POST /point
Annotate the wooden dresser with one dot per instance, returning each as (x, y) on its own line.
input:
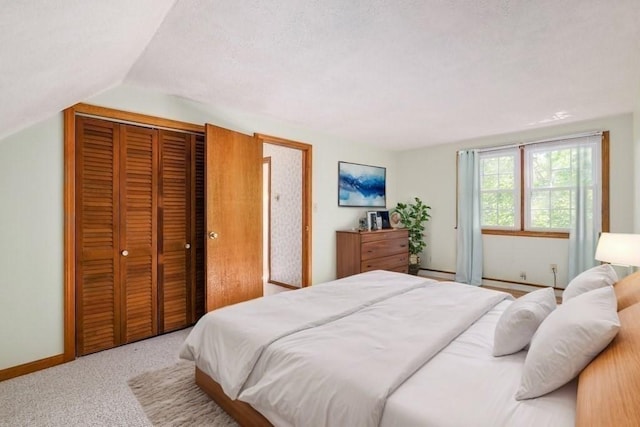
(360, 251)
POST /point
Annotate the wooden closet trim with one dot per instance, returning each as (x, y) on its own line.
(135, 118)
(70, 206)
(69, 235)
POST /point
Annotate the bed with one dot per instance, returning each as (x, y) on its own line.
(363, 351)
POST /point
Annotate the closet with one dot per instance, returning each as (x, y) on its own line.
(139, 232)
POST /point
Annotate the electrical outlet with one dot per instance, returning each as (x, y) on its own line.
(523, 275)
(554, 268)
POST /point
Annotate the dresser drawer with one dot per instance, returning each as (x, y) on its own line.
(384, 235)
(384, 248)
(392, 262)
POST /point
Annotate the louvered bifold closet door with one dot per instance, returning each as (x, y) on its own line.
(138, 236)
(97, 235)
(176, 266)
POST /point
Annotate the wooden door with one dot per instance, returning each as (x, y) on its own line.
(97, 235)
(233, 217)
(175, 240)
(138, 232)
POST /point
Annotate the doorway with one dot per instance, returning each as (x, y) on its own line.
(286, 214)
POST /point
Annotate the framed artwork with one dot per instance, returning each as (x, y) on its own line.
(362, 185)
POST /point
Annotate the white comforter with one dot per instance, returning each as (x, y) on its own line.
(226, 343)
(341, 373)
(331, 354)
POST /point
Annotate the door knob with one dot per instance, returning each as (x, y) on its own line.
(213, 235)
(187, 246)
(125, 252)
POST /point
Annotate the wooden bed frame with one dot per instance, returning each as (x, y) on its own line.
(608, 388)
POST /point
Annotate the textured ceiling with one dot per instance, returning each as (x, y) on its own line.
(55, 53)
(396, 74)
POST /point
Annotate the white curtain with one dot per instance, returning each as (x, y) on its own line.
(469, 233)
(586, 224)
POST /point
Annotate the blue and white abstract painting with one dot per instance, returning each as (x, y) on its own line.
(361, 185)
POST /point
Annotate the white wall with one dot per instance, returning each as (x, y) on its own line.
(31, 213)
(430, 174)
(31, 244)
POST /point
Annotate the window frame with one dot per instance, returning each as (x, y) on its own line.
(517, 185)
(522, 232)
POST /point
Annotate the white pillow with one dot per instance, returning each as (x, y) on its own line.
(567, 340)
(594, 278)
(521, 319)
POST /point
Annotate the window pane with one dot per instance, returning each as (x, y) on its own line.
(506, 211)
(506, 218)
(490, 165)
(540, 199)
(541, 170)
(506, 182)
(560, 218)
(561, 178)
(489, 217)
(561, 159)
(506, 164)
(489, 182)
(505, 200)
(560, 199)
(539, 218)
(489, 201)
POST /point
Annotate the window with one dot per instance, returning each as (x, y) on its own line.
(530, 190)
(500, 189)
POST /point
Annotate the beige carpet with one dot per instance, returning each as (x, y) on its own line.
(170, 397)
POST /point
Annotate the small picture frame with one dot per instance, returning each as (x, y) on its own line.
(384, 215)
(372, 220)
(394, 220)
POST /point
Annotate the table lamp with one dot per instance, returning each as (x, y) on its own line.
(619, 249)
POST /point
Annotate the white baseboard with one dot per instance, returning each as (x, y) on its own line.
(493, 283)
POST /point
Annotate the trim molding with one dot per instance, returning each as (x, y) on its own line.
(498, 280)
(127, 116)
(69, 234)
(284, 285)
(27, 368)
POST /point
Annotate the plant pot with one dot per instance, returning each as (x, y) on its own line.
(414, 269)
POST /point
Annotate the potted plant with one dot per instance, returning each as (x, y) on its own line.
(413, 216)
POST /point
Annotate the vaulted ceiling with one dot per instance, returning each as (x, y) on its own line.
(395, 74)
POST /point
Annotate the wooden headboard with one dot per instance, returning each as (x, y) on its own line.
(609, 387)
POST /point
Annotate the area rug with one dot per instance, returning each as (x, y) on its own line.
(170, 397)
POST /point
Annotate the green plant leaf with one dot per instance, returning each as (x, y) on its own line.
(413, 216)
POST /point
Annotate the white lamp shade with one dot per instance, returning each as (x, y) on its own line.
(619, 248)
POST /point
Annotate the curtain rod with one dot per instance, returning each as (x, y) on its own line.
(540, 141)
